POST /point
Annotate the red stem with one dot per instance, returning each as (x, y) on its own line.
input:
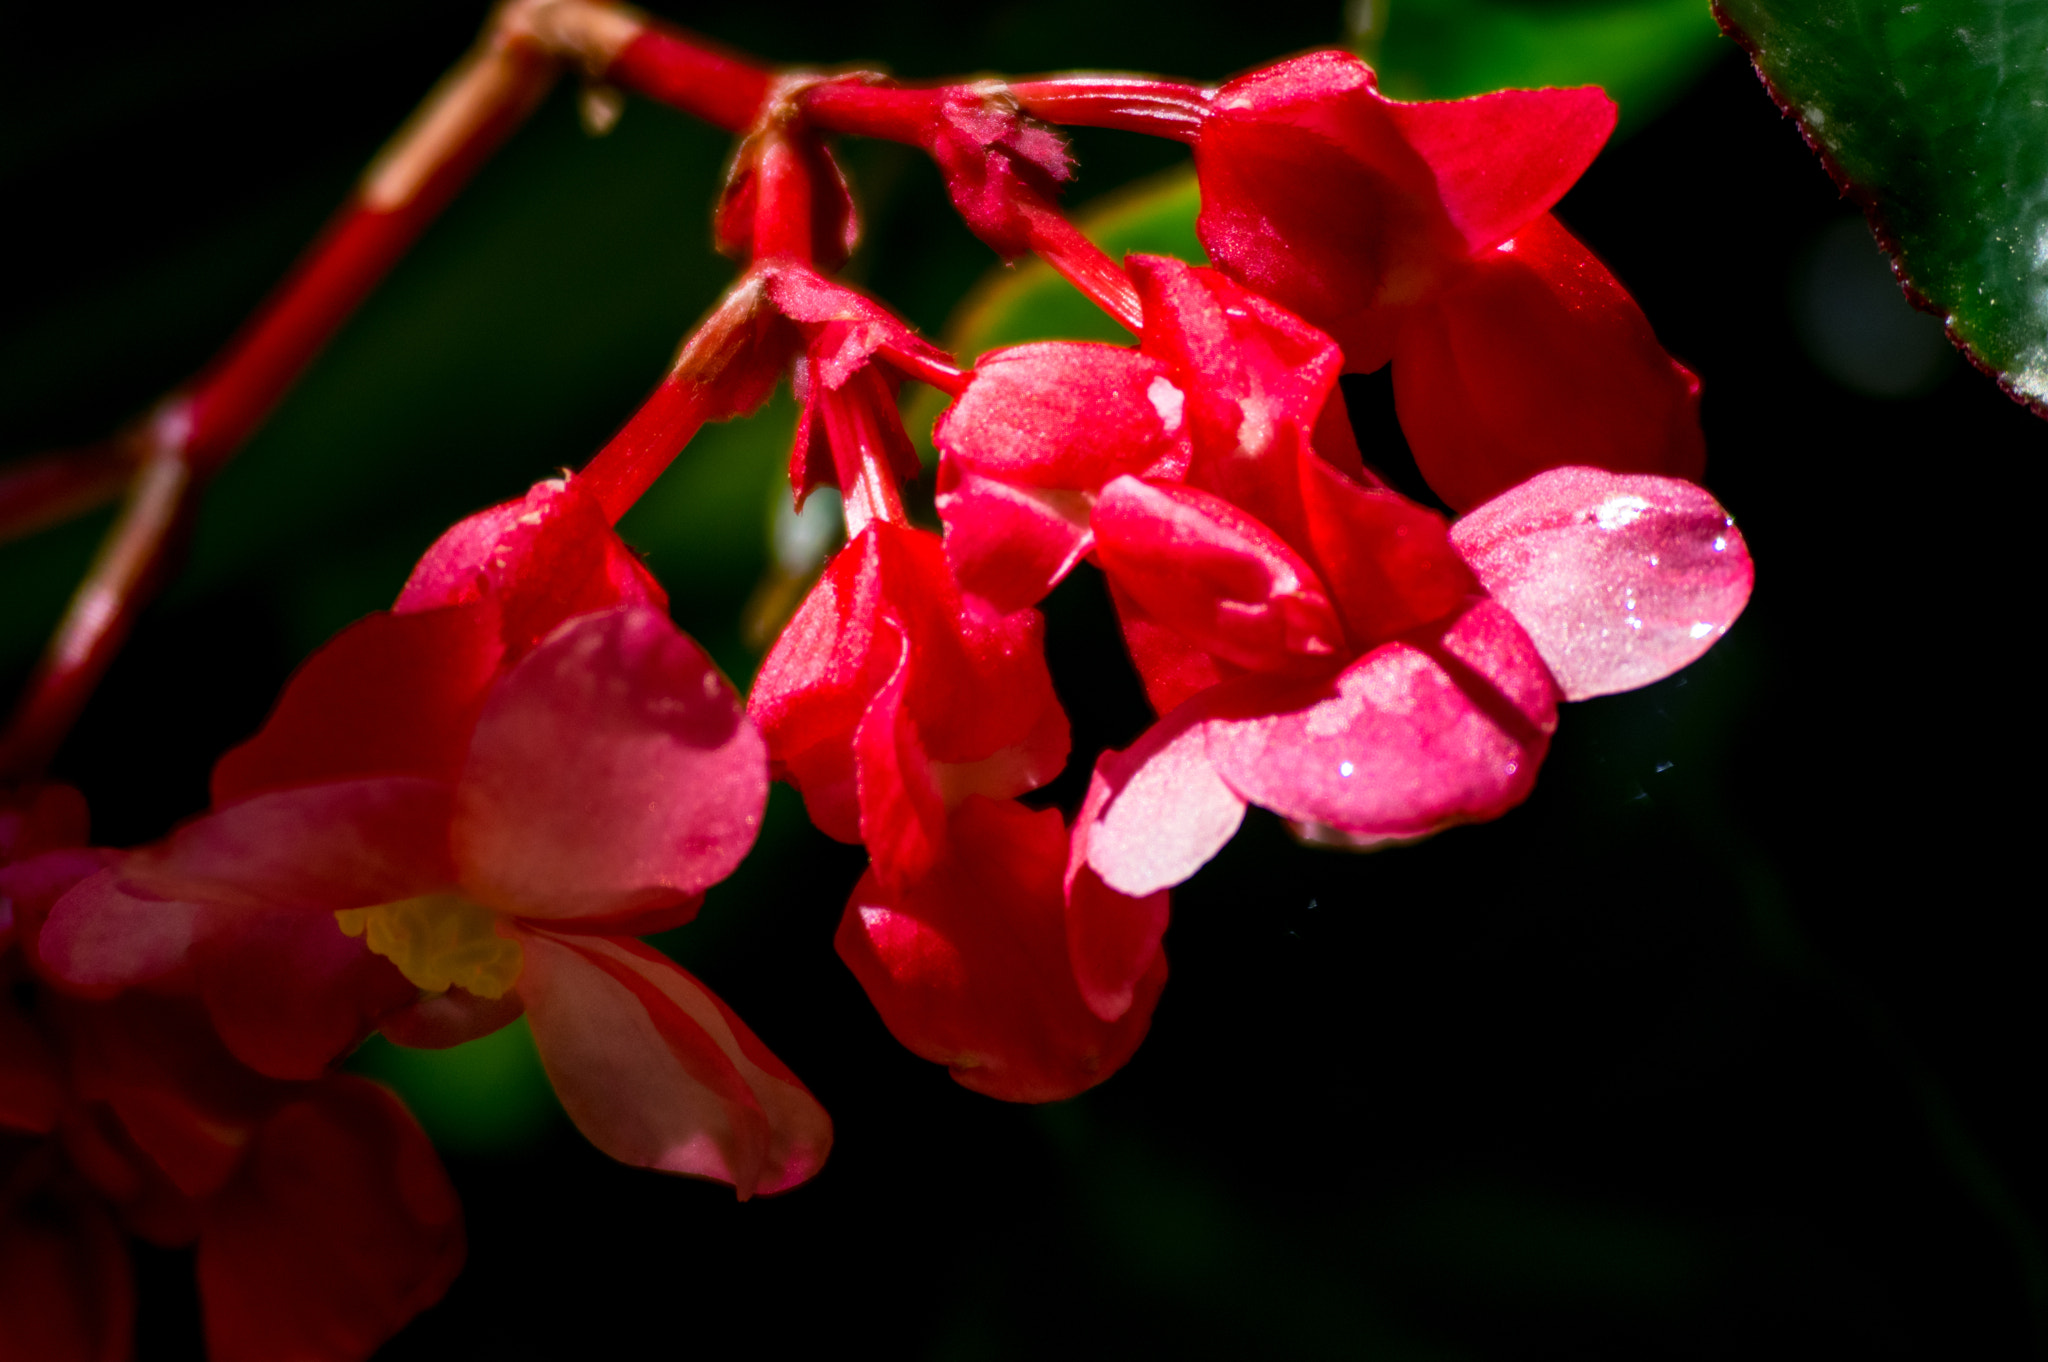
(1159, 108)
(1082, 263)
(103, 609)
(45, 489)
(675, 67)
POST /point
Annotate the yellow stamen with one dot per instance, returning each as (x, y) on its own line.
(439, 942)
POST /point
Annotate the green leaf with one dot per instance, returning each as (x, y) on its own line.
(488, 1095)
(1644, 52)
(1934, 117)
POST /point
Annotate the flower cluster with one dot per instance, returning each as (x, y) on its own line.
(468, 808)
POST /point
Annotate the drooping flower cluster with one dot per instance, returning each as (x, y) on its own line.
(468, 808)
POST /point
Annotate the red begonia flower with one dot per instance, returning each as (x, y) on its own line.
(323, 1220)
(363, 868)
(1421, 233)
(969, 965)
(891, 696)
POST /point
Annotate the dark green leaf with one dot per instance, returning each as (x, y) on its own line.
(1934, 117)
(1644, 52)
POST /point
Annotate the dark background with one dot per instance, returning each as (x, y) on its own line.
(1724, 1045)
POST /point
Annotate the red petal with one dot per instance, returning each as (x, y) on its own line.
(547, 557)
(287, 991)
(31, 1079)
(1220, 578)
(65, 1290)
(389, 695)
(1539, 359)
(1065, 414)
(613, 772)
(1388, 561)
(439, 1020)
(1619, 580)
(1156, 812)
(1502, 160)
(1010, 544)
(180, 1098)
(1172, 668)
(1313, 196)
(339, 1229)
(902, 814)
(100, 938)
(657, 1072)
(1446, 726)
(969, 967)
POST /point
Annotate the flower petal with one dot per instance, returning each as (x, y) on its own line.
(288, 992)
(1065, 414)
(1220, 578)
(613, 772)
(101, 938)
(1387, 561)
(545, 558)
(1504, 159)
(340, 1227)
(1442, 727)
(1010, 544)
(65, 1290)
(1156, 812)
(657, 1072)
(389, 695)
(1539, 359)
(315, 849)
(1620, 580)
(969, 967)
(31, 1079)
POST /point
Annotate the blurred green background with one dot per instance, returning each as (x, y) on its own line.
(1724, 1045)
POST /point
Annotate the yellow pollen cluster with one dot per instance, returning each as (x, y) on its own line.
(439, 942)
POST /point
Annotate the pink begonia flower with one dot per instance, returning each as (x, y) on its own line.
(465, 809)
(1421, 233)
(1318, 644)
(322, 1219)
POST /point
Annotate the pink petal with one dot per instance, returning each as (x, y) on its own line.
(1156, 812)
(1445, 726)
(613, 771)
(288, 992)
(1619, 579)
(1502, 160)
(1007, 543)
(1065, 414)
(101, 938)
(389, 695)
(340, 1228)
(1539, 359)
(314, 849)
(1220, 578)
(657, 1072)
